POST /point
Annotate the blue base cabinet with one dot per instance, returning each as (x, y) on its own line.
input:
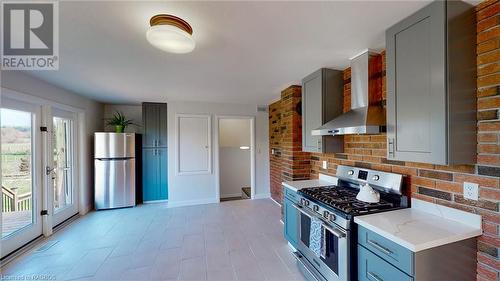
(290, 217)
(155, 182)
(381, 259)
(373, 268)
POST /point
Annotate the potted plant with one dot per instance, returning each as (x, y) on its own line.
(120, 122)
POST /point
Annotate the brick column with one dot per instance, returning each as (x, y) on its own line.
(289, 162)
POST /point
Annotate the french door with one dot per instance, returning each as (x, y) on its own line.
(39, 170)
(62, 180)
(21, 151)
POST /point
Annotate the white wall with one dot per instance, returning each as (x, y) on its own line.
(234, 163)
(133, 112)
(198, 189)
(234, 132)
(234, 171)
(21, 82)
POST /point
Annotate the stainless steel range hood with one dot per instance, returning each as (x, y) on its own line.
(365, 116)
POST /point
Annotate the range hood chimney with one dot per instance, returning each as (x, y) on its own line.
(367, 115)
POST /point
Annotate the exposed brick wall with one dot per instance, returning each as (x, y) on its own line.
(434, 183)
(275, 134)
(443, 184)
(285, 131)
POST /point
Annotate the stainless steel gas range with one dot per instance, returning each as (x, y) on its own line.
(335, 207)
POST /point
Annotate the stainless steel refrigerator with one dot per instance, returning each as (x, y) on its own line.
(114, 164)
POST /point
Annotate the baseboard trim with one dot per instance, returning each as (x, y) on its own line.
(191, 202)
(262, 196)
(279, 204)
(155, 201)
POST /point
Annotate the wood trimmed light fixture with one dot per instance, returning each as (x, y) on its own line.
(171, 34)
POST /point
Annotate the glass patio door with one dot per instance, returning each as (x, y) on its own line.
(21, 182)
(65, 203)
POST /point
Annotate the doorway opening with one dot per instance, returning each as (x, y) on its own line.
(235, 158)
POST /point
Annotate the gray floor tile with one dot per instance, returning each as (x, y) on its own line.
(235, 240)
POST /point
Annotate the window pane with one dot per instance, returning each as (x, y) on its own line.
(17, 175)
(63, 185)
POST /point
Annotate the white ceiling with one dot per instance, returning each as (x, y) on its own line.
(246, 52)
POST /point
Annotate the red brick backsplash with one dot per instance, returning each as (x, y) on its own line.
(433, 183)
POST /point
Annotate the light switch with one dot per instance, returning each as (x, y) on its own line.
(325, 165)
(471, 191)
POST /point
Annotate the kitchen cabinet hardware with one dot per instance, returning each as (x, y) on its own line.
(380, 247)
(374, 276)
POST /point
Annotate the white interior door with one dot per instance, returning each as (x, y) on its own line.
(20, 177)
(62, 160)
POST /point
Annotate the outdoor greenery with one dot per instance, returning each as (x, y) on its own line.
(16, 158)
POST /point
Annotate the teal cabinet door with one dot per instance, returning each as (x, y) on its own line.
(162, 174)
(155, 179)
(291, 217)
(150, 118)
(162, 125)
(150, 180)
(373, 268)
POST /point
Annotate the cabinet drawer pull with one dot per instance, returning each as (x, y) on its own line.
(374, 276)
(380, 247)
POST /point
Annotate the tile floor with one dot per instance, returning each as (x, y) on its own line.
(234, 240)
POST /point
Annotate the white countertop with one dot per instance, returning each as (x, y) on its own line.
(324, 180)
(423, 226)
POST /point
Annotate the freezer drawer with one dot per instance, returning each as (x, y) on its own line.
(114, 145)
(114, 183)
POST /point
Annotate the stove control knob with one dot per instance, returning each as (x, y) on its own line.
(306, 202)
(316, 208)
(376, 177)
(350, 172)
(332, 217)
(326, 214)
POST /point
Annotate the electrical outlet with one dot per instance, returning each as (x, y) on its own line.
(325, 165)
(471, 191)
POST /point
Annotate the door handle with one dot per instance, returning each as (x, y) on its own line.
(336, 232)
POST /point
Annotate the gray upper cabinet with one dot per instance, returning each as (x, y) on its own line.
(322, 100)
(154, 116)
(431, 71)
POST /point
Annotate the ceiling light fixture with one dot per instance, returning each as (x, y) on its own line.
(171, 34)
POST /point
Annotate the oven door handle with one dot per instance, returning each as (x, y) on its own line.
(326, 225)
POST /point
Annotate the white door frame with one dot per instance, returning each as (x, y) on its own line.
(28, 233)
(252, 152)
(68, 211)
(80, 155)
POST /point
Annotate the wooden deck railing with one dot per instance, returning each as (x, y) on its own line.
(12, 202)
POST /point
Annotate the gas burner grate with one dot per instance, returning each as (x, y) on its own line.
(344, 199)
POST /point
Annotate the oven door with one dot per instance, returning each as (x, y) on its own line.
(334, 260)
